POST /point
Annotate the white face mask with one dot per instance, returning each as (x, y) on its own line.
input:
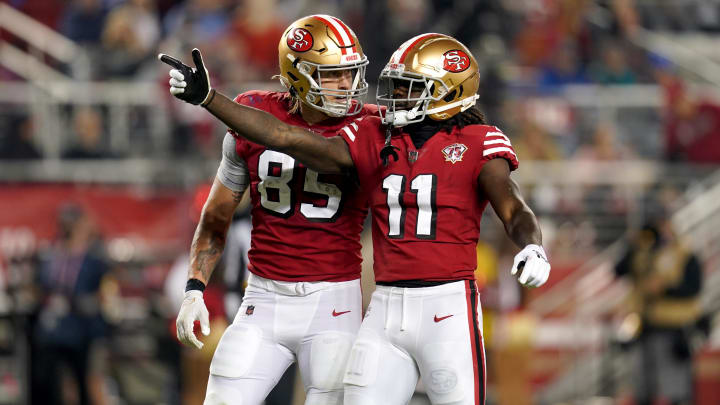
(333, 101)
(398, 110)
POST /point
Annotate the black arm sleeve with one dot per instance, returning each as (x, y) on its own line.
(622, 268)
(691, 283)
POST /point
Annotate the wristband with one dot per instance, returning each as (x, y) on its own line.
(194, 284)
(209, 98)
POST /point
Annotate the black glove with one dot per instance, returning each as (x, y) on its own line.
(189, 84)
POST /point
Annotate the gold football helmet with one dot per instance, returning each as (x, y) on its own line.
(321, 46)
(438, 76)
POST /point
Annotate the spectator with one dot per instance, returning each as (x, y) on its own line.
(692, 127)
(83, 21)
(256, 28)
(536, 144)
(70, 324)
(18, 141)
(129, 38)
(667, 279)
(88, 126)
(564, 68)
(604, 146)
(612, 68)
(198, 21)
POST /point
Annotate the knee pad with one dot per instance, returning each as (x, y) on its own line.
(217, 398)
(315, 397)
(362, 365)
(236, 352)
(329, 353)
(221, 391)
(354, 395)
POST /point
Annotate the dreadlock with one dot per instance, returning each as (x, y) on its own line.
(471, 116)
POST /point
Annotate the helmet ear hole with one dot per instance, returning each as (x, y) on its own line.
(292, 76)
(461, 91)
(450, 97)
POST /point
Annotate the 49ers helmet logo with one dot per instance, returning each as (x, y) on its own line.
(455, 61)
(299, 40)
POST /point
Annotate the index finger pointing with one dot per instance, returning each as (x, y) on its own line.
(170, 61)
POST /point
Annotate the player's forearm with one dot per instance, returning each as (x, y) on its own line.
(314, 150)
(206, 249)
(523, 228)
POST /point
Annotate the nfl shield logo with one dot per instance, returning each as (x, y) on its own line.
(413, 156)
(250, 310)
(454, 153)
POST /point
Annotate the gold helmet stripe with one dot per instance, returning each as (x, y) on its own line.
(340, 31)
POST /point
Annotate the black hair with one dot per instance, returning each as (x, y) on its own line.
(471, 116)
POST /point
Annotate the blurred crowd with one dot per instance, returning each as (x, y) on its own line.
(528, 50)
(530, 53)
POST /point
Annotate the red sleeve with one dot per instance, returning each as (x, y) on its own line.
(251, 99)
(356, 142)
(497, 145)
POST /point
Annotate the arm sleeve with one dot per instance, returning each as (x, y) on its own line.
(691, 283)
(351, 134)
(233, 172)
(622, 268)
(497, 145)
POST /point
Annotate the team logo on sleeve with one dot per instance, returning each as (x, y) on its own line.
(454, 153)
(250, 310)
(455, 61)
(299, 40)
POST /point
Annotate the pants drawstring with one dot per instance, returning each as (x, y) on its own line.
(387, 308)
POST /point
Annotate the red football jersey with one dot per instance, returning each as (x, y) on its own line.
(306, 226)
(426, 206)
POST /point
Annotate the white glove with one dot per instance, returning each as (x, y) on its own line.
(534, 264)
(192, 309)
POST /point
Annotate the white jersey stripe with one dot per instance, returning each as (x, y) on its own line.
(496, 141)
(354, 126)
(490, 151)
(349, 133)
(500, 134)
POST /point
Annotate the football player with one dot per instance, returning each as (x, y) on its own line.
(430, 165)
(303, 301)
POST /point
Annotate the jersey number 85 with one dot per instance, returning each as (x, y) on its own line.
(283, 201)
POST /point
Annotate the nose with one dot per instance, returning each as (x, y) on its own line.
(345, 81)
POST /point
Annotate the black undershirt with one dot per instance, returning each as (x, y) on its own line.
(421, 131)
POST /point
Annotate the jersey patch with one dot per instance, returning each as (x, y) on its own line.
(454, 153)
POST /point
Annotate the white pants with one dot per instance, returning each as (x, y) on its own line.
(431, 332)
(279, 322)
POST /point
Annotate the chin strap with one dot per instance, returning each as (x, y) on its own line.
(466, 103)
(404, 117)
(388, 150)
